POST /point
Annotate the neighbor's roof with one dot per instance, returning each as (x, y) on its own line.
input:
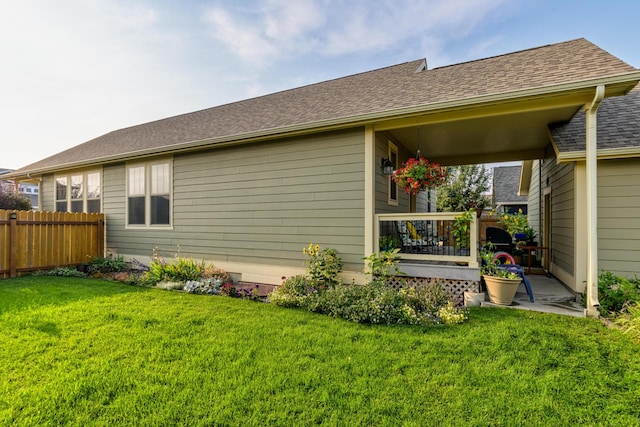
(506, 180)
(348, 101)
(618, 126)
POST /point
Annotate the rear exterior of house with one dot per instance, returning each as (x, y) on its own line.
(557, 193)
(247, 185)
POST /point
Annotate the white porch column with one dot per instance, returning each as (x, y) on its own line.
(369, 190)
(592, 202)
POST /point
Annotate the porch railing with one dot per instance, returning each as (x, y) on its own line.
(428, 237)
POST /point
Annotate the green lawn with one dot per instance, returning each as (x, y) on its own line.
(87, 352)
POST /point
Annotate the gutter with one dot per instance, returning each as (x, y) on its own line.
(625, 79)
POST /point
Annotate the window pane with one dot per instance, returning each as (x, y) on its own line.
(61, 189)
(136, 211)
(93, 186)
(160, 179)
(61, 206)
(76, 187)
(93, 206)
(136, 181)
(159, 209)
(76, 205)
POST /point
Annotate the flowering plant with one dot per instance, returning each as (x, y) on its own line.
(417, 175)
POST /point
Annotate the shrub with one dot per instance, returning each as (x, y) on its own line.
(515, 222)
(180, 270)
(11, 200)
(60, 271)
(292, 291)
(107, 265)
(616, 293)
(210, 286)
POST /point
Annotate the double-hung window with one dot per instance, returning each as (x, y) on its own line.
(149, 194)
(78, 192)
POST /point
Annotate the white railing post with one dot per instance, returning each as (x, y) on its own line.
(473, 242)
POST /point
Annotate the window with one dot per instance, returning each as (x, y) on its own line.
(79, 192)
(392, 153)
(149, 194)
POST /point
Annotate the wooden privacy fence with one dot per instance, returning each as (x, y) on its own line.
(31, 241)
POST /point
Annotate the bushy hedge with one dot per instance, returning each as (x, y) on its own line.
(373, 302)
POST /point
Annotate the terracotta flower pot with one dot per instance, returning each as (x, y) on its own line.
(501, 290)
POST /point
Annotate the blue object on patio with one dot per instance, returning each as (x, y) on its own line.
(515, 268)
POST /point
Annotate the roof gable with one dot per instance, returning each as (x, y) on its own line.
(506, 180)
(347, 101)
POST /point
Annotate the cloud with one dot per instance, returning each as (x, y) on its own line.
(272, 32)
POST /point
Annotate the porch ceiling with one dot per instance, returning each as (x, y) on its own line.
(495, 132)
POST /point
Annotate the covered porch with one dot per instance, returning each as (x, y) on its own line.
(482, 129)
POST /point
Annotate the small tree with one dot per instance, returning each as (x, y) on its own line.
(464, 189)
(11, 200)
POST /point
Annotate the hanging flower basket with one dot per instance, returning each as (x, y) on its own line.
(417, 175)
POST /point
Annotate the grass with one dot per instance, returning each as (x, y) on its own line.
(87, 352)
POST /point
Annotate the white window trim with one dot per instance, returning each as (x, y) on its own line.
(392, 148)
(68, 175)
(147, 196)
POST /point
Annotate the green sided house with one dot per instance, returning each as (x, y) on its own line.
(556, 186)
(247, 185)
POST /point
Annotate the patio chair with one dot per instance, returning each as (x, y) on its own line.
(412, 241)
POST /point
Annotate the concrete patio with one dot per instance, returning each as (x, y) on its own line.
(550, 296)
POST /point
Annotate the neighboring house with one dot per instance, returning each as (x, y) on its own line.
(506, 184)
(557, 193)
(247, 185)
(28, 190)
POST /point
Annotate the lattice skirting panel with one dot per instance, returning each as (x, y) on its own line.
(455, 288)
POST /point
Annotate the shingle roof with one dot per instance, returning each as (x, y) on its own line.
(506, 181)
(347, 99)
(618, 125)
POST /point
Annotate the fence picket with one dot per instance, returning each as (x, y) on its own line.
(42, 240)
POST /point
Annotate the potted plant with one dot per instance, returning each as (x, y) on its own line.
(388, 242)
(530, 236)
(417, 175)
(501, 284)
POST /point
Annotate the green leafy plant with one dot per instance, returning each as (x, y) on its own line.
(492, 266)
(514, 223)
(461, 228)
(630, 321)
(107, 264)
(60, 271)
(466, 188)
(383, 265)
(616, 293)
(324, 266)
(389, 242)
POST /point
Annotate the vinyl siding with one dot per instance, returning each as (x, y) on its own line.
(534, 209)
(618, 218)
(47, 193)
(382, 181)
(560, 179)
(257, 203)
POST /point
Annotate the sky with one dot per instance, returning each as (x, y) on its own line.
(73, 70)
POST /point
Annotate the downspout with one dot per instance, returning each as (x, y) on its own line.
(592, 202)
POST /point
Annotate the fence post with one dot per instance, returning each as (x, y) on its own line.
(13, 243)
